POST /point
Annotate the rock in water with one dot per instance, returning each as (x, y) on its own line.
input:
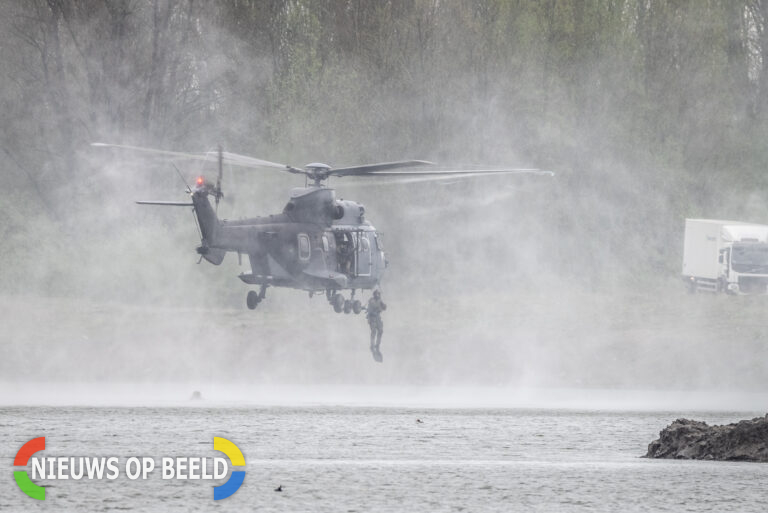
(746, 440)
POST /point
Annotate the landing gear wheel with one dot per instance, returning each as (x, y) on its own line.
(338, 303)
(252, 299)
(347, 306)
(357, 306)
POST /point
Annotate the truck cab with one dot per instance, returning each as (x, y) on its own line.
(745, 266)
(725, 256)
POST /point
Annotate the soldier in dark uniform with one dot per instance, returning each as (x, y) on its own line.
(345, 253)
(375, 307)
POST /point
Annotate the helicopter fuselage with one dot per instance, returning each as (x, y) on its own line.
(318, 243)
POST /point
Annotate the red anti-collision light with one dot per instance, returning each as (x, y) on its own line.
(200, 180)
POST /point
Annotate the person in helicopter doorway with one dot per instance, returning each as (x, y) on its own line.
(345, 254)
(374, 309)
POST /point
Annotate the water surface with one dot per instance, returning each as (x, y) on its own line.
(381, 459)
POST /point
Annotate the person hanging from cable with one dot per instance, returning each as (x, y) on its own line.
(374, 309)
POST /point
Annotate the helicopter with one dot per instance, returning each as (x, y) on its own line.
(318, 243)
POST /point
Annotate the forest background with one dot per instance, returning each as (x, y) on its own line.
(649, 111)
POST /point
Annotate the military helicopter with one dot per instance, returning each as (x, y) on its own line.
(317, 243)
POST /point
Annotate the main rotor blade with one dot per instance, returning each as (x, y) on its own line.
(176, 154)
(245, 161)
(227, 157)
(371, 168)
(447, 177)
(463, 173)
(167, 203)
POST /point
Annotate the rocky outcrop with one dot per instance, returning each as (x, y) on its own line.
(690, 439)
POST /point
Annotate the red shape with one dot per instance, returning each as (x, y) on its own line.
(27, 450)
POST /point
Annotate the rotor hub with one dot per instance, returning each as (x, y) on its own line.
(318, 171)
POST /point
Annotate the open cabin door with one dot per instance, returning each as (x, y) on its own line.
(363, 254)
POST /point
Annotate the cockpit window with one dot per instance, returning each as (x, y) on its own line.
(325, 243)
(304, 248)
(379, 245)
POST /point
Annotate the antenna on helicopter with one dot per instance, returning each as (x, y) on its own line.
(189, 189)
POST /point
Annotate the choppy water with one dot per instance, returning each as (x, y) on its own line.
(381, 459)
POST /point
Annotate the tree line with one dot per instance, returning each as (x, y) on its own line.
(650, 110)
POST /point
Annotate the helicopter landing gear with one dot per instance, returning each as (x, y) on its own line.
(338, 303)
(353, 305)
(254, 298)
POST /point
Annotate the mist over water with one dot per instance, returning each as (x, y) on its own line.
(517, 283)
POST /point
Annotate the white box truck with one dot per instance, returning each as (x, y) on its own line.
(725, 256)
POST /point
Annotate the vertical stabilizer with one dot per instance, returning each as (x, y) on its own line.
(209, 226)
